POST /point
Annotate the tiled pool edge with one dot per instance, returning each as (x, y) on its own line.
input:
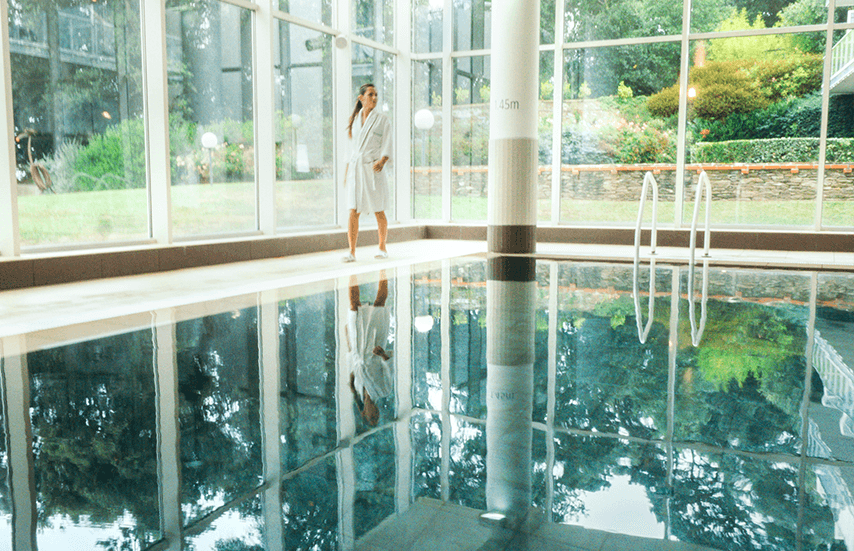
(33, 270)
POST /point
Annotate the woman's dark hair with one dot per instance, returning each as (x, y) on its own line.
(362, 89)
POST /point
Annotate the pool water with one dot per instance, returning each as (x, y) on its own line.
(553, 406)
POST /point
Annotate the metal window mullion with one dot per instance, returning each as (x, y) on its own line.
(447, 104)
(343, 105)
(265, 153)
(245, 4)
(156, 110)
(825, 106)
(672, 354)
(403, 113)
(557, 112)
(682, 125)
(10, 239)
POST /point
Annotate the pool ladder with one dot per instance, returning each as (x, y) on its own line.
(703, 188)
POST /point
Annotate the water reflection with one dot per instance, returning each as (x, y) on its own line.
(502, 386)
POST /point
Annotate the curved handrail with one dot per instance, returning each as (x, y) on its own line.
(648, 177)
(643, 331)
(704, 186)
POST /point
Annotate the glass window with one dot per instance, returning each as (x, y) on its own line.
(305, 191)
(319, 11)
(426, 170)
(427, 26)
(211, 127)
(754, 121)
(838, 208)
(711, 16)
(376, 67)
(545, 127)
(374, 19)
(547, 21)
(586, 20)
(78, 107)
(472, 24)
(470, 138)
(611, 136)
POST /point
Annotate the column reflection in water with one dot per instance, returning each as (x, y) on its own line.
(510, 303)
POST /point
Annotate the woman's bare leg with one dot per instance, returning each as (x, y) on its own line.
(382, 229)
(353, 230)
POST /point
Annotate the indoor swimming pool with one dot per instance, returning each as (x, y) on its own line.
(493, 404)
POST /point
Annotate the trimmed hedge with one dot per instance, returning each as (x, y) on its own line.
(778, 150)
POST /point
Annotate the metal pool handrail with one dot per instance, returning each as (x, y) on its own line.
(704, 186)
(643, 331)
(647, 179)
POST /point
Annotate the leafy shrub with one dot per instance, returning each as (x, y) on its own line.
(779, 150)
(113, 160)
(792, 76)
(633, 143)
(665, 103)
(793, 117)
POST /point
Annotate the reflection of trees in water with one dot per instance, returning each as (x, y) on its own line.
(374, 459)
(467, 476)
(94, 442)
(218, 384)
(426, 431)
(310, 509)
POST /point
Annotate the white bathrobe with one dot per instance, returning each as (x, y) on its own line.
(367, 191)
(368, 327)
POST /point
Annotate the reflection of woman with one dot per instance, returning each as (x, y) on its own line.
(364, 178)
(367, 334)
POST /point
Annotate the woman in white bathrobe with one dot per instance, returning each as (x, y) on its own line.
(364, 178)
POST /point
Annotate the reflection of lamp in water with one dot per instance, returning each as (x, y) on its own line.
(423, 324)
(209, 141)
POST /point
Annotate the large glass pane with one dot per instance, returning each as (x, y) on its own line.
(374, 19)
(305, 191)
(211, 128)
(838, 208)
(612, 135)
(590, 20)
(377, 67)
(545, 128)
(716, 16)
(427, 26)
(470, 138)
(472, 24)
(426, 171)
(754, 117)
(319, 11)
(94, 424)
(78, 105)
(547, 21)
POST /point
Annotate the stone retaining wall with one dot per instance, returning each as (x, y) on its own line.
(615, 183)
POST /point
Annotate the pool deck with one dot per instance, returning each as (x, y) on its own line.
(47, 307)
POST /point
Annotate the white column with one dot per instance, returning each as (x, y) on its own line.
(268, 337)
(265, 154)
(510, 315)
(9, 234)
(157, 120)
(513, 116)
(344, 101)
(19, 435)
(557, 113)
(447, 104)
(403, 114)
(168, 435)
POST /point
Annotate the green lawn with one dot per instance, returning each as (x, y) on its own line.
(102, 216)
